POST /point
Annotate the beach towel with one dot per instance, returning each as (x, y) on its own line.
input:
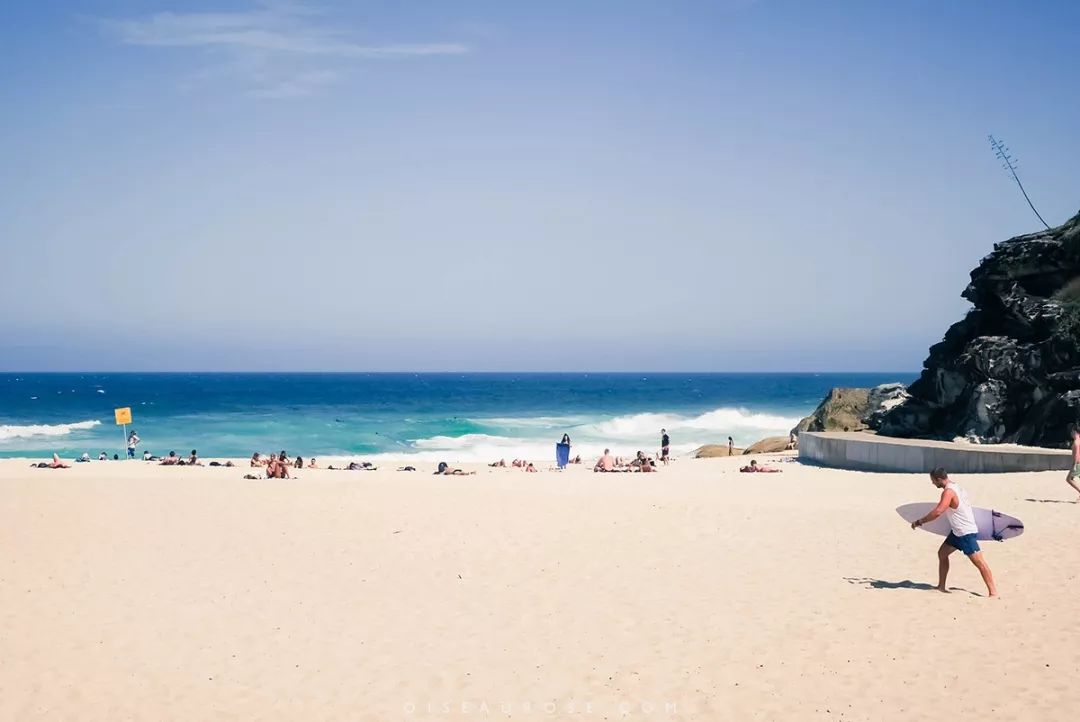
(562, 455)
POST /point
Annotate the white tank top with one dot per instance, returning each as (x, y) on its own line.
(962, 518)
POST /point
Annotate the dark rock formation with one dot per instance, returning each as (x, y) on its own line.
(1010, 370)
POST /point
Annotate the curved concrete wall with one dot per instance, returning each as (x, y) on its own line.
(868, 452)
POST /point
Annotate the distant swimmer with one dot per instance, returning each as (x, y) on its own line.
(1075, 470)
(964, 531)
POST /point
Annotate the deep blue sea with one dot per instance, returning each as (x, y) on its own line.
(451, 416)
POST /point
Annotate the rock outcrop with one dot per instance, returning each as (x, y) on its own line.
(853, 409)
(1009, 371)
(768, 445)
(712, 451)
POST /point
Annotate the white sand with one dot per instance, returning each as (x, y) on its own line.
(134, 591)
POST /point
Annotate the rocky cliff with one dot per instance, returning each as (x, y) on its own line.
(1010, 370)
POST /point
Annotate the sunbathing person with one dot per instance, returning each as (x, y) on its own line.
(57, 464)
(530, 468)
(500, 464)
(445, 470)
(193, 460)
(755, 468)
(311, 464)
(171, 460)
(257, 460)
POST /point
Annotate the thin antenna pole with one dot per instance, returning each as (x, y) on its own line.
(1009, 164)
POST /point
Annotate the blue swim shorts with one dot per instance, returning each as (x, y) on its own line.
(131, 452)
(968, 543)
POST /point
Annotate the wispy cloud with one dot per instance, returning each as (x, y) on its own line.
(280, 49)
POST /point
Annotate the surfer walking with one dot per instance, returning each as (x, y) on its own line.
(964, 532)
(1070, 479)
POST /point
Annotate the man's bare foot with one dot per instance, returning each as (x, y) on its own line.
(943, 590)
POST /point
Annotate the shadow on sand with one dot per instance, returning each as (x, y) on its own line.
(1051, 501)
(870, 583)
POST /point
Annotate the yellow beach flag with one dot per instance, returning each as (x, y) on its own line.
(123, 416)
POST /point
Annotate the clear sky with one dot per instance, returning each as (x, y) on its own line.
(724, 185)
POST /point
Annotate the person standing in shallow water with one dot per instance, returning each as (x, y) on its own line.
(964, 531)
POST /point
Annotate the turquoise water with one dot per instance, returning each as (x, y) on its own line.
(457, 417)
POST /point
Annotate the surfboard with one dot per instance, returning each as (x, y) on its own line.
(993, 525)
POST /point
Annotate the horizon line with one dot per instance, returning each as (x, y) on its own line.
(454, 371)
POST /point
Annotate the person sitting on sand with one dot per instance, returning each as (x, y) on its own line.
(530, 468)
(299, 462)
(605, 462)
(311, 464)
(756, 468)
(193, 460)
(170, 460)
(103, 456)
(147, 456)
(257, 460)
(85, 458)
(647, 465)
(793, 442)
(276, 469)
(576, 459)
(283, 458)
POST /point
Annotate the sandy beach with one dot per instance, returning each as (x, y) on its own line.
(131, 591)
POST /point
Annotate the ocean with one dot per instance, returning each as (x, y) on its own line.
(457, 417)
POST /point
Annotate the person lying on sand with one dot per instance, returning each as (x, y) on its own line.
(170, 460)
(445, 470)
(755, 468)
(500, 464)
(56, 463)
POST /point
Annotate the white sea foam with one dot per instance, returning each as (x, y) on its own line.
(32, 430)
(622, 434)
(729, 422)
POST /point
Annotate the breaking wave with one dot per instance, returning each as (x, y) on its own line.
(32, 430)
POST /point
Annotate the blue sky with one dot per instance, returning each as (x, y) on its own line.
(741, 185)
